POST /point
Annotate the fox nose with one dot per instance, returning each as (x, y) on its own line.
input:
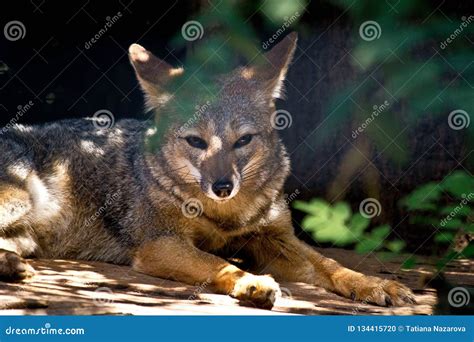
(222, 188)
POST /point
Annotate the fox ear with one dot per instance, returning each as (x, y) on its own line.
(275, 65)
(153, 74)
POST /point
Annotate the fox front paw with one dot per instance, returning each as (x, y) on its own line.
(13, 267)
(382, 292)
(258, 291)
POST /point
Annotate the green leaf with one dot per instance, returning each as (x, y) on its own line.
(367, 246)
(335, 233)
(459, 183)
(315, 207)
(312, 223)
(395, 246)
(341, 212)
(279, 10)
(381, 232)
(358, 224)
(423, 198)
(469, 228)
(451, 224)
(441, 264)
(444, 237)
(409, 263)
(468, 252)
(456, 210)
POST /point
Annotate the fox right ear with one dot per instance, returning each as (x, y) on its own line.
(276, 62)
(153, 74)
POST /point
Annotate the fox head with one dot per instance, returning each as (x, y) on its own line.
(230, 150)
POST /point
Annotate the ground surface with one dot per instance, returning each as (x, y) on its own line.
(76, 287)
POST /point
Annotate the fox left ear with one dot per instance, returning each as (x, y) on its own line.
(275, 65)
(153, 74)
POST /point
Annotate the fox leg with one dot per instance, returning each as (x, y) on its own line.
(14, 204)
(173, 258)
(289, 259)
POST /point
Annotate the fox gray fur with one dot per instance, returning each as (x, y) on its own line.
(214, 189)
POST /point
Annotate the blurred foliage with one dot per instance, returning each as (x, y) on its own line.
(337, 224)
(447, 207)
(410, 63)
(225, 39)
(420, 60)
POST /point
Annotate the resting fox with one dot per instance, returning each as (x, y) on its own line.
(212, 191)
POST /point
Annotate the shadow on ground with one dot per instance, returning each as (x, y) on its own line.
(89, 288)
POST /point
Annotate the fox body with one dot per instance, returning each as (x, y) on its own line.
(213, 190)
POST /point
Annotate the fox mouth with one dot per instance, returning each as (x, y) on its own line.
(218, 199)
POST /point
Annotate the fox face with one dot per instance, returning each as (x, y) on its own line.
(230, 149)
(225, 151)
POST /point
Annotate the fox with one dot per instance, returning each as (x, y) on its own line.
(210, 195)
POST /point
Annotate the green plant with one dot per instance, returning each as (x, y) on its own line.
(446, 206)
(408, 63)
(337, 224)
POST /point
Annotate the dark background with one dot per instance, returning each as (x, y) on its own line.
(52, 68)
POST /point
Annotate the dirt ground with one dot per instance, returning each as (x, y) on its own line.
(82, 288)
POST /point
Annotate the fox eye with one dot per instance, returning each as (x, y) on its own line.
(196, 142)
(243, 140)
